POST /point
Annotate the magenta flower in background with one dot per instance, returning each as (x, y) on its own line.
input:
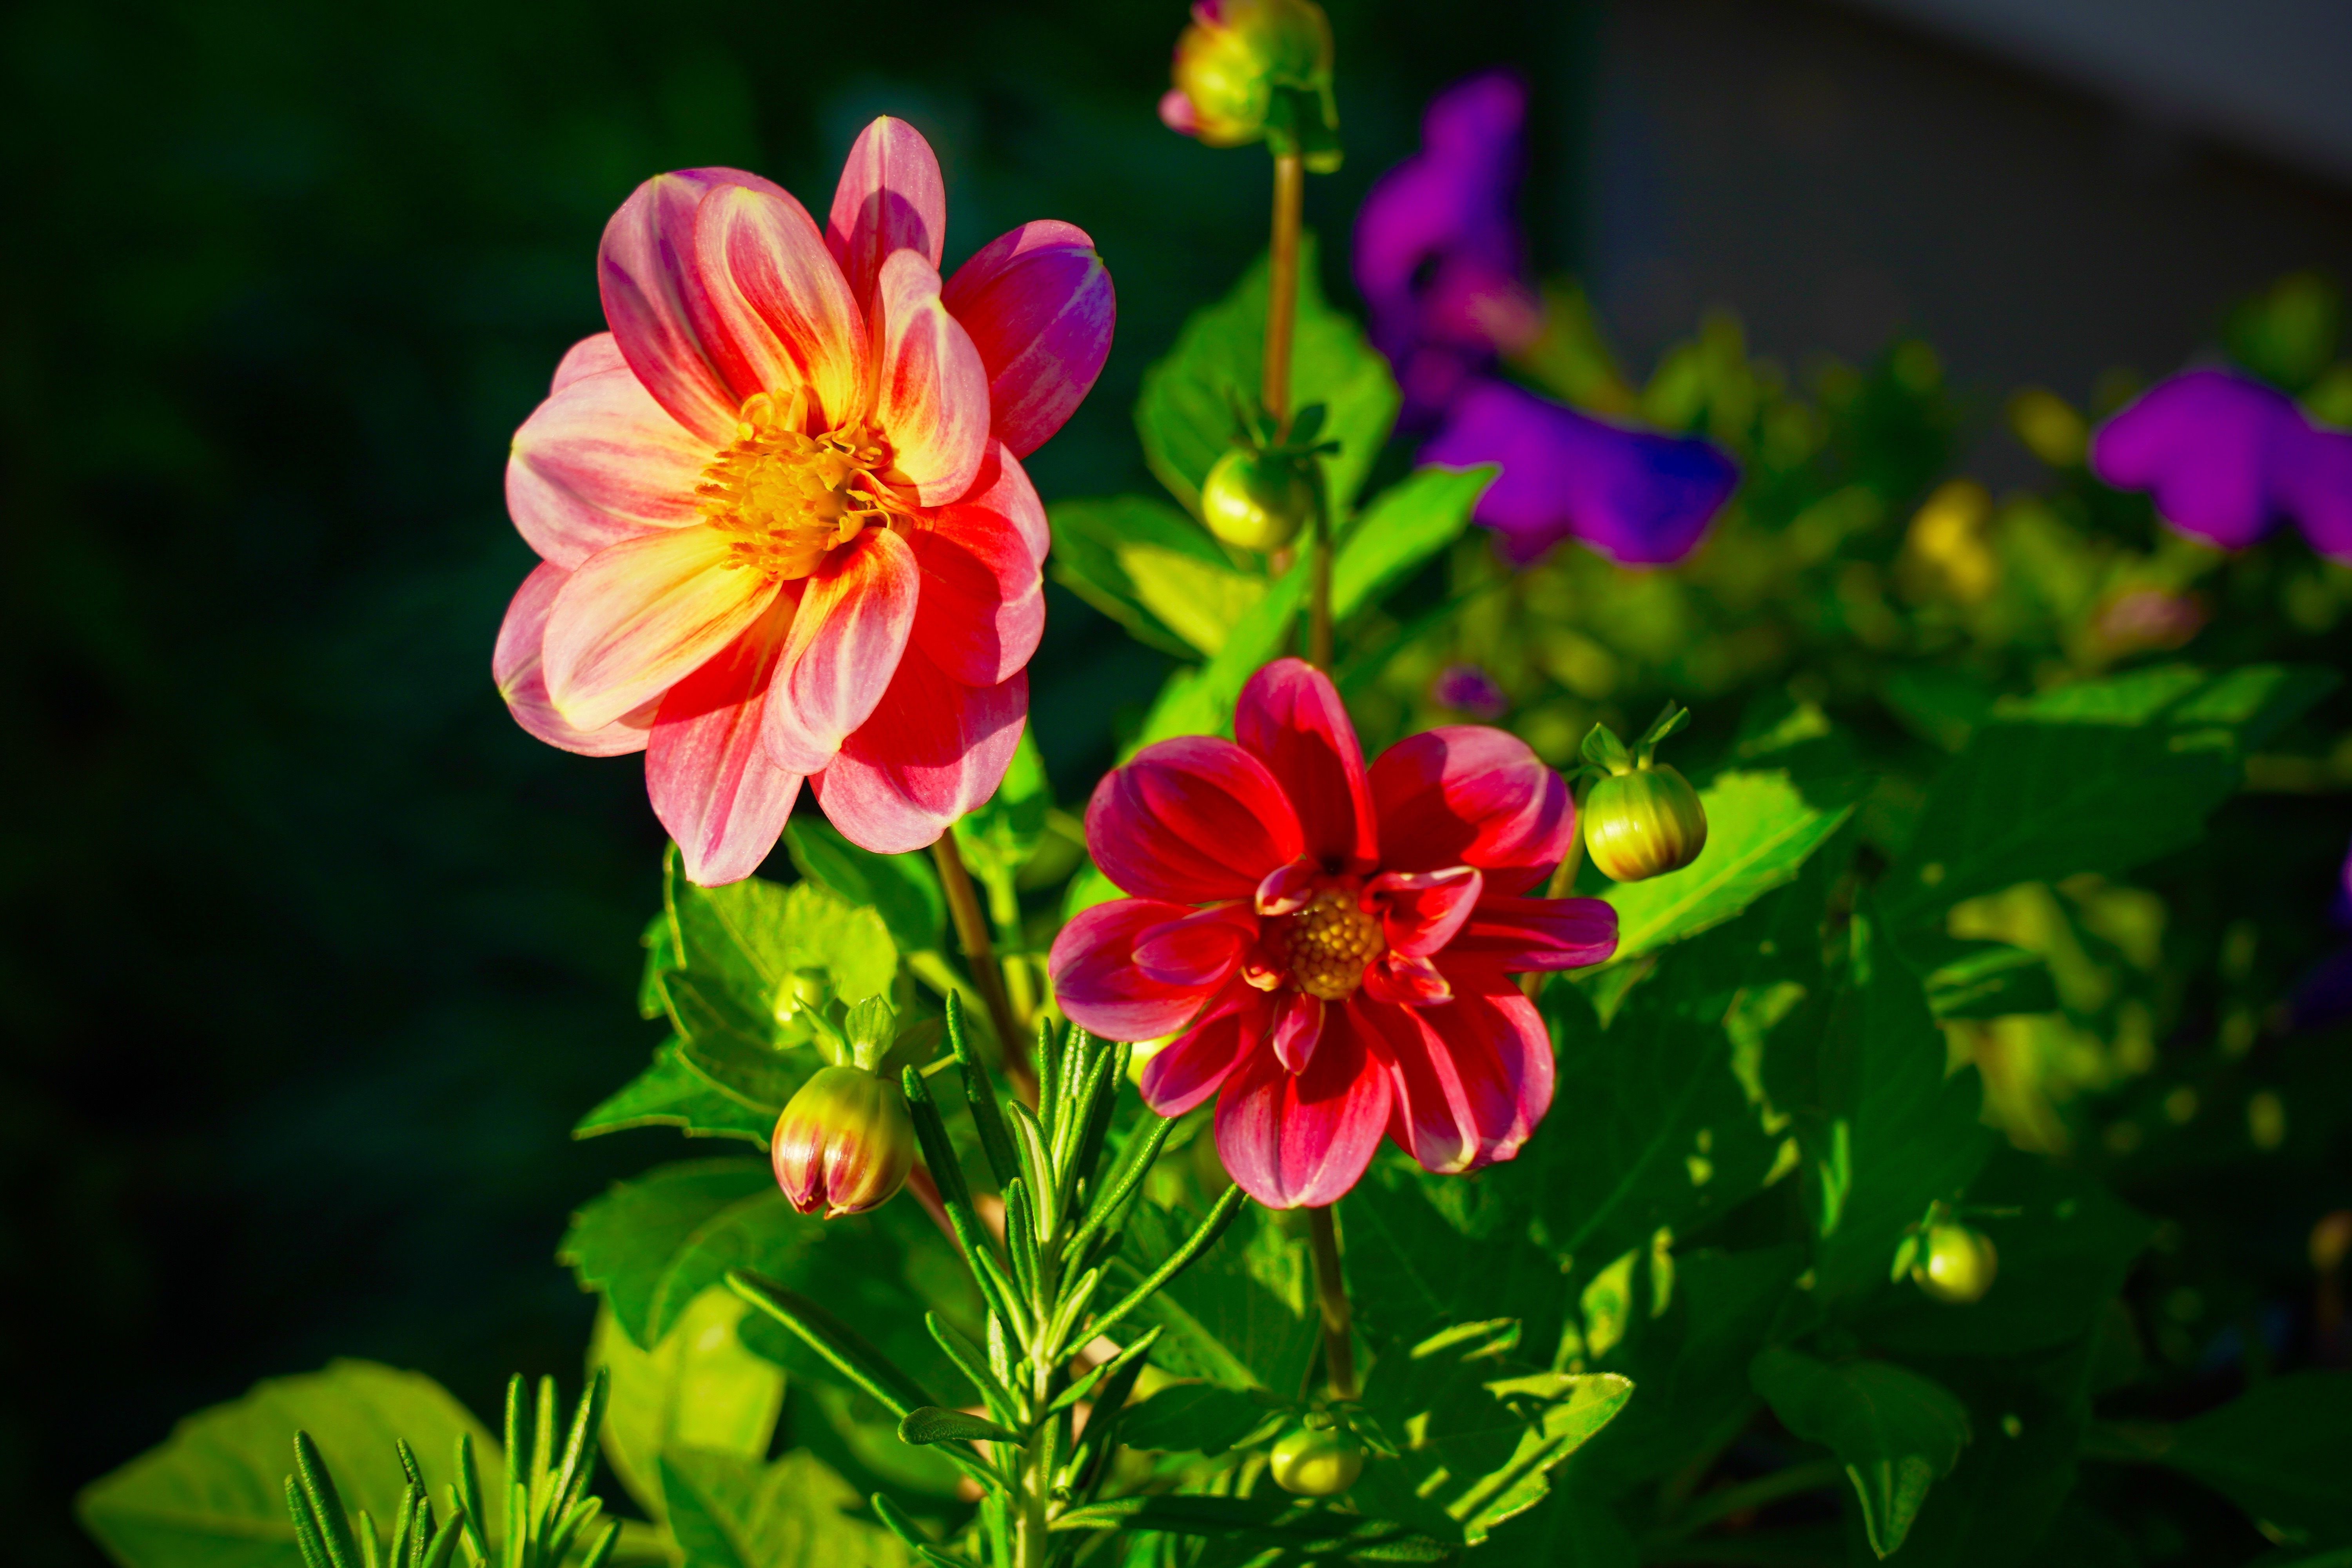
(1467, 689)
(2227, 459)
(1442, 270)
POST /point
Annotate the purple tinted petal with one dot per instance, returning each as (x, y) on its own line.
(2209, 446)
(1638, 498)
(2316, 484)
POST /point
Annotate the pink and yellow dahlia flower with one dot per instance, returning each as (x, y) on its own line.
(1330, 944)
(784, 529)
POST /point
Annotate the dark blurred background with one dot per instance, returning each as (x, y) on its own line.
(312, 957)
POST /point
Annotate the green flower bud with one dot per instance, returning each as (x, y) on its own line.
(1256, 500)
(1644, 824)
(1248, 69)
(1318, 1464)
(844, 1144)
(1958, 1265)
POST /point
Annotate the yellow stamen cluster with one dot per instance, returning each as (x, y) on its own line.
(792, 496)
(1330, 944)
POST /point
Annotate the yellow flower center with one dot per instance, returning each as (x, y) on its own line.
(789, 496)
(1330, 943)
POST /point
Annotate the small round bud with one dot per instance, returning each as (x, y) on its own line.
(1644, 824)
(1256, 499)
(1318, 1464)
(1956, 1264)
(1235, 55)
(844, 1144)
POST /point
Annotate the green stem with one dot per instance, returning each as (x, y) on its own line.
(1332, 1294)
(1282, 286)
(971, 930)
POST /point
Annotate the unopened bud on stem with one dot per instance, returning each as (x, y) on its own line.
(1642, 818)
(1257, 69)
(1318, 1463)
(844, 1144)
(1957, 1264)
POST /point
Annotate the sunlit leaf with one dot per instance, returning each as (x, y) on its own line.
(728, 1510)
(1153, 570)
(698, 1387)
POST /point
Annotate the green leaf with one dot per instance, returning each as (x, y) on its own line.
(1426, 1251)
(1895, 1432)
(929, 1423)
(1153, 570)
(2281, 1451)
(1275, 1523)
(626, 1244)
(1999, 1505)
(999, 837)
(732, 1047)
(1185, 414)
(2101, 777)
(753, 936)
(903, 889)
(1972, 979)
(212, 1495)
(729, 1512)
(1243, 1316)
(1760, 827)
(1476, 1431)
(673, 1093)
(698, 1388)
(1193, 1417)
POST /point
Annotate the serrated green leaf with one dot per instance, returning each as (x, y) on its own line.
(753, 936)
(699, 1387)
(1185, 412)
(2281, 1451)
(1153, 570)
(1243, 1316)
(733, 1048)
(903, 889)
(1897, 1433)
(728, 1511)
(1193, 1417)
(212, 1495)
(673, 1093)
(624, 1244)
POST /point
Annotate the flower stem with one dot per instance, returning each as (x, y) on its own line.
(1332, 1294)
(971, 930)
(1282, 286)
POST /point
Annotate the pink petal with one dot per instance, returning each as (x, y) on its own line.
(1297, 1029)
(1295, 1139)
(982, 605)
(1194, 820)
(931, 394)
(934, 750)
(1473, 1078)
(770, 306)
(600, 461)
(1198, 951)
(636, 617)
(1406, 980)
(856, 612)
(1039, 306)
(1468, 796)
(1099, 984)
(1002, 487)
(1189, 1068)
(515, 666)
(645, 270)
(1290, 717)
(1521, 934)
(1422, 910)
(587, 357)
(890, 198)
(711, 782)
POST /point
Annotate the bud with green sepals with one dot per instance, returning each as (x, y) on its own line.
(1641, 817)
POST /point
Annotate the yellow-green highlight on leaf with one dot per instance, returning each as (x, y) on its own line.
(698, 1387)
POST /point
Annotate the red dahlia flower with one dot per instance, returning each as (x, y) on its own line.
(1333, 943)
(785, 528)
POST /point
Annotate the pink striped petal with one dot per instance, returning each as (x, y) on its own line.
(1195, 820)
(1001, 488)
(1473, 1079)
(1422, 910)
(930, 399)
(1303, 1139)
(600, 461)
(639, 616)
(1191, 1068)
(890, 198)
(712, 784)
(515, 666)
(645, 271)
(1099, 984)
(587, 357)
(934, 750)
(1469, 795)
(770, 306)
(1198, 951)
(982, 605)
(855, 612)
(1290, 717)
(1039, 305)
(1297, 1029)
(1521, 934)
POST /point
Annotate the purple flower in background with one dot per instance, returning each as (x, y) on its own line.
(1442, 266)
(2227, 459)
(1467, 689)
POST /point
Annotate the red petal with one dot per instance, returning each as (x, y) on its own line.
(931, 394)
(770, 306)
(1519, 935)
(1290, 717)
(1189, 1068)
(636, 617)
(645, 271)
(1469, 795)
(1474, 1078)
(1297, 1029)
(1099, 984)
(711, 782)
(1407, 980)
(1199, 950)
(1194, 820)
(855, 612)
(1285, 889)
(600, 461)
(515, 666)
(1422, 910)
(983, 604)
(932, 750)
(1039, 306)
(1303, 1139)
(890, 198)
